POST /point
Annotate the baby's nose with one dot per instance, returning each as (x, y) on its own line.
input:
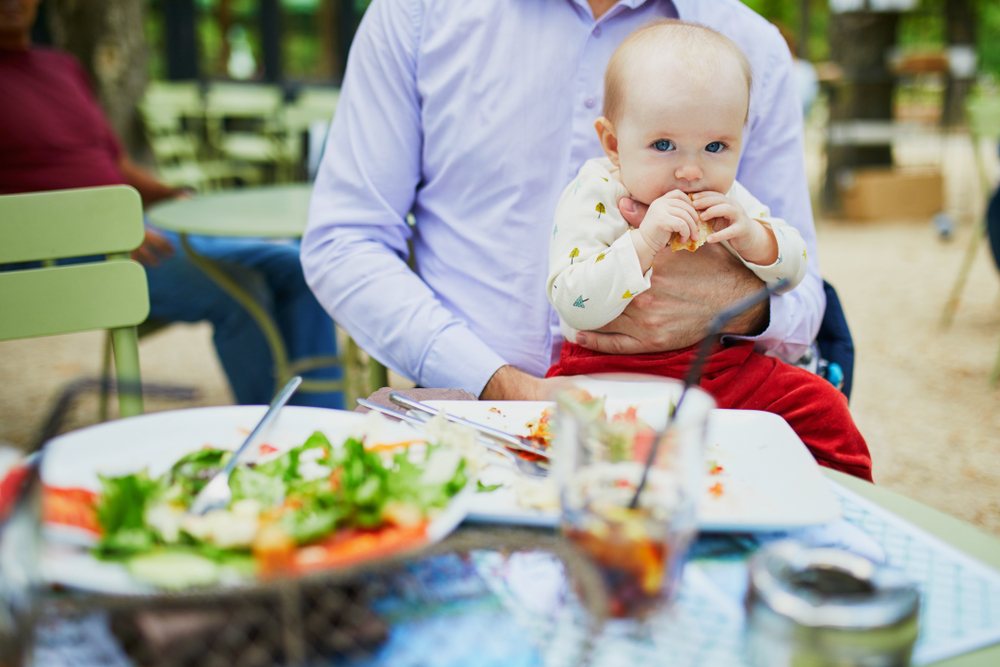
(688, 172)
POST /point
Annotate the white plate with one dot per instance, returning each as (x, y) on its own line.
(156, 441)
(770, 481)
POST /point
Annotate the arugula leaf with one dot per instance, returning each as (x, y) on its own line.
(192, 471)
(121, 512)
(256, 485)
(486, 488)
(286, 466)
(306, 526)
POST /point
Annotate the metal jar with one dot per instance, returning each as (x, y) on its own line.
(813, 607)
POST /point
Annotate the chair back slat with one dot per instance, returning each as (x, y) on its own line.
(69, 223)
(68, 299)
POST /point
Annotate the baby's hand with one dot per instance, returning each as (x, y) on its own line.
(754, 241)
(672, 213)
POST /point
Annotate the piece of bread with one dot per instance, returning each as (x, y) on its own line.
(693, 243)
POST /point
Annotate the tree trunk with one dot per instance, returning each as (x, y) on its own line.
(108, 38)
(860, 44)
(960, 29)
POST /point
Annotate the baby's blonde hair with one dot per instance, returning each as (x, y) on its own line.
(697, 47)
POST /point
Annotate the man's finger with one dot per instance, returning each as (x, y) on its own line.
(632, 211)
(608, 343)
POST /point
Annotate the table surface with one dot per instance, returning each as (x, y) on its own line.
(963, 536)
(277, 211)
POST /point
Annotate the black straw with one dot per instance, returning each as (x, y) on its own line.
(693, 376)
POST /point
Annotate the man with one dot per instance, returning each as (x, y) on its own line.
(54, 135)
(472, 117)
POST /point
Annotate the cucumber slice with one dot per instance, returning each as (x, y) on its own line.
(174, 569)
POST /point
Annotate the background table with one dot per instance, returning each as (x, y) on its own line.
(279, 211)
(270, 212)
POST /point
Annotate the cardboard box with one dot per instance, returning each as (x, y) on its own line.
(892, 194)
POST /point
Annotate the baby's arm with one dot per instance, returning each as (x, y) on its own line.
(768, 246)
(594, 271)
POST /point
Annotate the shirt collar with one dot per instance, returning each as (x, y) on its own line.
(631, 4)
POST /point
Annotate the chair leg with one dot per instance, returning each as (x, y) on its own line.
(126, 350)
(105, 391)
(950, 306)
(378, 375)
(995, 375)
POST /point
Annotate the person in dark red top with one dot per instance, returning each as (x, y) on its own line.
(54, 135)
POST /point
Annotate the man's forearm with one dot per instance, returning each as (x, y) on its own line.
(754, 321)
(150, 188)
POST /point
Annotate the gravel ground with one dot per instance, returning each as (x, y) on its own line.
(921, 395)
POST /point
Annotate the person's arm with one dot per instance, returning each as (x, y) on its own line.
(150, 188)
(786, 261)
(773, 169)
(354, 250)
(594, 267)
(155, 247)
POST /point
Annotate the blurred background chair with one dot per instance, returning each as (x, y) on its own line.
(244, 127)
(173, 116)
(89, 293)
(983, 115)
(306, 122)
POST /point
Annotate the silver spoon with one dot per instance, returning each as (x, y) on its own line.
(217, 494)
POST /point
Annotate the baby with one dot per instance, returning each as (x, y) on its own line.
(676, 98)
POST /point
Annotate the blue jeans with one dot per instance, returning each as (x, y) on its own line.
(271, 272)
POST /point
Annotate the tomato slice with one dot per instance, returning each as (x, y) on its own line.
(68, 506)
(348, 547)
(265, 449)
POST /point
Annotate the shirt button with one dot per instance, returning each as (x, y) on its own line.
(597, 31)
(590, 103)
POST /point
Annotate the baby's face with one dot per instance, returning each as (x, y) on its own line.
(680, 135)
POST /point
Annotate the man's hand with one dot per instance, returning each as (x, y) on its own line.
(155, 247)
(688, 290)
(512, 384)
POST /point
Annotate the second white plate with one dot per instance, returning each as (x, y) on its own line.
(769, 480)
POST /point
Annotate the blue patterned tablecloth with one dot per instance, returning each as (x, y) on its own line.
(517, 610)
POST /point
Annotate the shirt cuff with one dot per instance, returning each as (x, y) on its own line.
(775, 339)
(458, 359)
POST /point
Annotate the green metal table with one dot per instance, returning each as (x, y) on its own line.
(271, 212)
(963, 536)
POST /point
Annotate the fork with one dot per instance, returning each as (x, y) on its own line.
(416, 418)
(217, 494)
(508, 440)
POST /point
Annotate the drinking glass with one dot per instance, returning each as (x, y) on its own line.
(609, 440)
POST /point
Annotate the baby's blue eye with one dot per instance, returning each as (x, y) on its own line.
(663, 145)
(715, 147)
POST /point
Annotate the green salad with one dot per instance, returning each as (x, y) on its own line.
(280, 504)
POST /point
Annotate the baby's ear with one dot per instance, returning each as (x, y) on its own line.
(609, 140)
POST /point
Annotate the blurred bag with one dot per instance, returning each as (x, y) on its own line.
(993, 225)
(836, 345)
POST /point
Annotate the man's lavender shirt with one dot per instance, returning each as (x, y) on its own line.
(474, 116)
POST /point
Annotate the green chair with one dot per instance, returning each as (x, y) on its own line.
(173, 115)
(983, 116)
(109, 292)
(312, 109)
(244, 124)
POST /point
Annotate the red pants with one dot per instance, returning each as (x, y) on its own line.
(738, 377)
